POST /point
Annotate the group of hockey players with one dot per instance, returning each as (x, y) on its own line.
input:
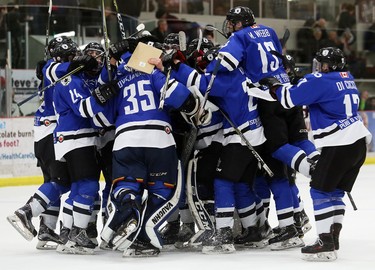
(208, 136)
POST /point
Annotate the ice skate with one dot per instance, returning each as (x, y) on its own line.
(169, 233)
(78, 243)
(306, 226)
(186, 232)
(47, 238)
(122, 234)
(287, 238)
(92, 232)
(221, 242)
(141, 249)
(21, 221)
(251, 237)
(323, 250)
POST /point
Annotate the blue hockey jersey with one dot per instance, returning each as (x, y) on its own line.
(229, 93)
(333, 101)
(250, 48)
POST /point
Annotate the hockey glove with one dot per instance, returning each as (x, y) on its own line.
(118, 49)
(272, 83)
(87, 61)
(173, 59)
(39, 69)
(105, 92)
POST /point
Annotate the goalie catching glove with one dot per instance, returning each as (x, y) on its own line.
(105, 92)
(191, 109)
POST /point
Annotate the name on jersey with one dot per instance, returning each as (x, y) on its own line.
(347, 122)
(128, 78)
(344, 85)
(260, 33)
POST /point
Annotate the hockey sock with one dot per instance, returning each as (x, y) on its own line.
(283, 200)
(262, 190)
(245, 204)
(224, 203)
(323, 210)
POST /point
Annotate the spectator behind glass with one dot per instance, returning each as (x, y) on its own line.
(161, 30)
(346, 18)
(304, 37)
(363, 100)
(14, 26)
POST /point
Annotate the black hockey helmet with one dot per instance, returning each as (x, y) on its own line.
(205, 45)
(64, 51)
(171, 41)
(332, 56)
(54, 42)
(93, 46)
(238, 14)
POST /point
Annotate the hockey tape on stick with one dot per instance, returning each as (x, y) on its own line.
(106, 43)
(352, 201)
(243, 138)
(119, 21)
(182, 40)
(164, 90)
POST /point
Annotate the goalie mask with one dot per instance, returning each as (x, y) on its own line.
(241, 14)
(172, 41)
(329, 59)
(195, 58)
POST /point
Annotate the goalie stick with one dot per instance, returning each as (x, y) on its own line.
(206, 227)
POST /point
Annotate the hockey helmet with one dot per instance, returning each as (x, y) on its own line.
(171, 41)
(205, 45)
(54, 43)
(95, 50)
(332, 56)
(235, 15)
(65, 51)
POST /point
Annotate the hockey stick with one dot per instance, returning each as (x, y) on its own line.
(212, 28)
(119, 21)
(251, 148)
(206, 227)
(47, 30)
(285, 38)
(52, 84)
(182, 45)
(352, 201)
(106, 43)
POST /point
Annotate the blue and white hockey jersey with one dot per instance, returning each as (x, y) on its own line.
(250, 48)
(333, 101)
(45, 118)
(229, 93)
(75, 108)
(135, 109)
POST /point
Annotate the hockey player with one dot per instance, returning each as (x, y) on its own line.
(76, 102)
(249, 47)
(46, 201)
(339, 132)
(144, 159)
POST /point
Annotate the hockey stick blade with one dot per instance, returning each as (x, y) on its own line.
(285, 38)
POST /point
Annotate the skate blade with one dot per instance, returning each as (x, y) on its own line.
(71, 248)
(222, 249)
(18, 225)
(123, 234)
(259, 245)
(105, 246)
(46, 245)
(133, 253)
(289, 243)
(320, 257)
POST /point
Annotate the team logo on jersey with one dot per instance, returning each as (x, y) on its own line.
(167, 130)
(60, 138)
(47, 122)
(344, 74)
(66, 81)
